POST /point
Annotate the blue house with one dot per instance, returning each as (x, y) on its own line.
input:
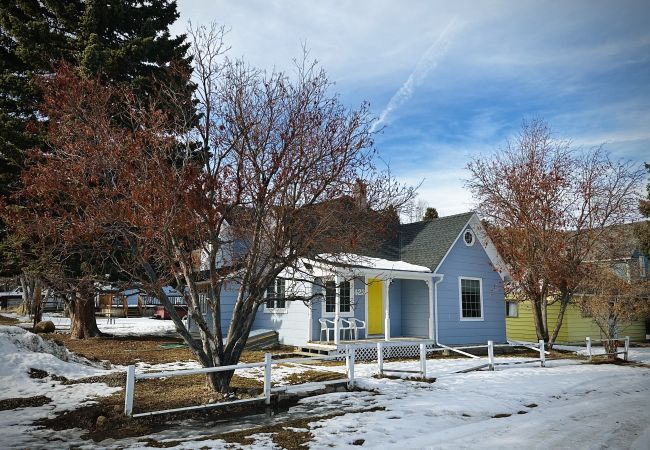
(439, 281)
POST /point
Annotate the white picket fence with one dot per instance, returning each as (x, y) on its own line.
(625, 352)
(383, 349)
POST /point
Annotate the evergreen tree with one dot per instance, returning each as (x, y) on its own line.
(121, 41)
(430, 214)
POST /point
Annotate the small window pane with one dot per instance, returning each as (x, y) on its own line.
(345, 297)
(511, 309)
(280, 301)
(330, 297)
(470, 298)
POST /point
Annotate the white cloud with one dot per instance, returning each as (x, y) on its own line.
(428, 61)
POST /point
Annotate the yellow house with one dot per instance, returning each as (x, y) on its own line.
(625, 260)
(520, 325)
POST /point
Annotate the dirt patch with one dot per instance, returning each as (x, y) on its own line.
(4, 320)
(290, 435)
(127, 350)
(24, 402)
(37, 373)
(501, 415)
(395, 377)
(310, 376)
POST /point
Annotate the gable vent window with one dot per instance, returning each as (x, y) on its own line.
(468, 237)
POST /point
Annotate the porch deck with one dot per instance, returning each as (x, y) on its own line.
(326, 348)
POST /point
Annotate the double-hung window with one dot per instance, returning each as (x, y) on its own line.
(471, 299)
(330, 298)
(275, 296)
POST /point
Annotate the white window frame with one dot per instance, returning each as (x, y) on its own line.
(268, 310)
(328, 315)
(473, 237)
(460, 300)
(508, 303)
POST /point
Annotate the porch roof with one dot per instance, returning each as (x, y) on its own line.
(369, 264)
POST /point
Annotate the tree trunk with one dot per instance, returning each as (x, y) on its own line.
(560, 319)
(37, 305)
(612, 333)
(82, 317)
(220, 381)
(28, 283)
(538, 318)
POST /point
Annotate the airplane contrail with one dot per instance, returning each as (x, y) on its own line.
(428, 61)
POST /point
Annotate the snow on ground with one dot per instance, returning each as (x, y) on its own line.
(567, 404)
(129, 326)
(638, 354)
(21, 351)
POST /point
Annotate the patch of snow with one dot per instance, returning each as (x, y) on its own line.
(637, 354)
(371, 263)
(123, 326)
(21, 351)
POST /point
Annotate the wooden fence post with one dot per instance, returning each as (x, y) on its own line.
(423, 360)
(267, 378)
(350, 363)
(380, 358)
(627, 347)
(542, 354)
(589, 347)
(490, 350)
(130, 387)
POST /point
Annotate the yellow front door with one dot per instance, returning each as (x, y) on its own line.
(375, 307)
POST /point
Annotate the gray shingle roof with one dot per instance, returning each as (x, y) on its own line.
(426, 243)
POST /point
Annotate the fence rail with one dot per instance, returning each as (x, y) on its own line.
(350, 357)
(625, 353)
(132, 376)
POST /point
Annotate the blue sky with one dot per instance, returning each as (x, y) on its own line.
(450, 81)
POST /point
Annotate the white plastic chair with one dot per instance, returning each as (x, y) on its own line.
(324, 328)
(345, 325)
(355, 325)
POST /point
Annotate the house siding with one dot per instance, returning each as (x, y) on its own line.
(470, 261)
(415, 308)
(522, 327)
(292, 326)
(575, 328)
(395, 305)
(227, 301)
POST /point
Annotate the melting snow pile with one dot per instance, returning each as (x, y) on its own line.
(16, 340)
(21, 351)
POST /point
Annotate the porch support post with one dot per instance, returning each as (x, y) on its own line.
(387, 309)
(430, 286)
(337, 310)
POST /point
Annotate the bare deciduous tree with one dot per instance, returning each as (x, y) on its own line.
(547, 205)
(283, 172)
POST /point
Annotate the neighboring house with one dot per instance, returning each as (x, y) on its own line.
(439, 280)
(628, 262)
(110, 300)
